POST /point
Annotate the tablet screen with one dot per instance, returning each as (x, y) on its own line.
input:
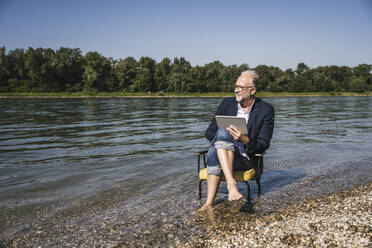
(224, 121)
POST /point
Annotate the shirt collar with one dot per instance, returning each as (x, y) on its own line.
(249, 109)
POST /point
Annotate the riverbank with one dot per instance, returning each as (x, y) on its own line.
(170, 94)
(338, 220)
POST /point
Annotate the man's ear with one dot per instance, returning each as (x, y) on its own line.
(253, 90)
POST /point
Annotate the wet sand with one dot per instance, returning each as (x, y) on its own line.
(339, 220)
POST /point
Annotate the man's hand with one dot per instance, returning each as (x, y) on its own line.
(238, 135)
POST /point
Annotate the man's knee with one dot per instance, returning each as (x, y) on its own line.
(224, 140)
(214, 170)
(214, 167)
(223, 135)
(212, 158)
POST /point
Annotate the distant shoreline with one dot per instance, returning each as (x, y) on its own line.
(174, 95)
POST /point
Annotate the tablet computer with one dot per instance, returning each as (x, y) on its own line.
(224, 121)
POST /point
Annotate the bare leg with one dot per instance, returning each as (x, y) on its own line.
(226, 159)
(213, 183)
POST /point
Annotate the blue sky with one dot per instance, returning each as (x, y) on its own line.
(278, 33)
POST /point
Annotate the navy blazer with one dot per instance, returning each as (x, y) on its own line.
(260, 124)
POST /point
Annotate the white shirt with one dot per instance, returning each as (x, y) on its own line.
(241, 113)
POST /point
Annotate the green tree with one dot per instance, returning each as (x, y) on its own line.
(358, 84)
(69, 69)
(274, 86)
(227, 78)
(97, 73)
(180, 75)
(282, 83)
(48, 72)
(321, 82)
(301, 68)
(17, 79)
(197, 83)
(298, 84)
(243, 67)
(126, 71)
(177, 81)
(181, 65)
(362, 70)
(267, 74)
(211, 76)
(144, 81)
(162, 74)
(4, 72)
(340, 77)
(302, 80)
(34, 60)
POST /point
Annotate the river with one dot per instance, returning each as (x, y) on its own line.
(124, 166)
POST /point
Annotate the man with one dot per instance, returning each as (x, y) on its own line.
(230, 147)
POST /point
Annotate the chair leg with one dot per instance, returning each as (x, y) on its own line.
(248, 192)
(258, 181)
(200, 185)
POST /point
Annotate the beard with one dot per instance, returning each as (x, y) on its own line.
(242, 98)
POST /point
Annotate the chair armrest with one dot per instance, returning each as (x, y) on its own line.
(200, 152)
(255, 154)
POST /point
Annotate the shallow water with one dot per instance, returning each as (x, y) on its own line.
(126, 166)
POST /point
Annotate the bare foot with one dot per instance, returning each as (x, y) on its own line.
(234, 194)
(205, 207)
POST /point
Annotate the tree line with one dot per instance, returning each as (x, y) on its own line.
(68, 70)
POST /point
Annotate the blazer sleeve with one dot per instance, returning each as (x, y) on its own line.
(212, 128)
(261, 141)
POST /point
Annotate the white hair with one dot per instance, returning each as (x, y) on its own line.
(252, 75)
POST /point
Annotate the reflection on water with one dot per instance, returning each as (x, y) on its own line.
(134, 157)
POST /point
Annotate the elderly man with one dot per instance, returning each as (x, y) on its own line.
(230, 148)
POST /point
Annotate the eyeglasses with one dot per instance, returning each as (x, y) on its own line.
(240, 88)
